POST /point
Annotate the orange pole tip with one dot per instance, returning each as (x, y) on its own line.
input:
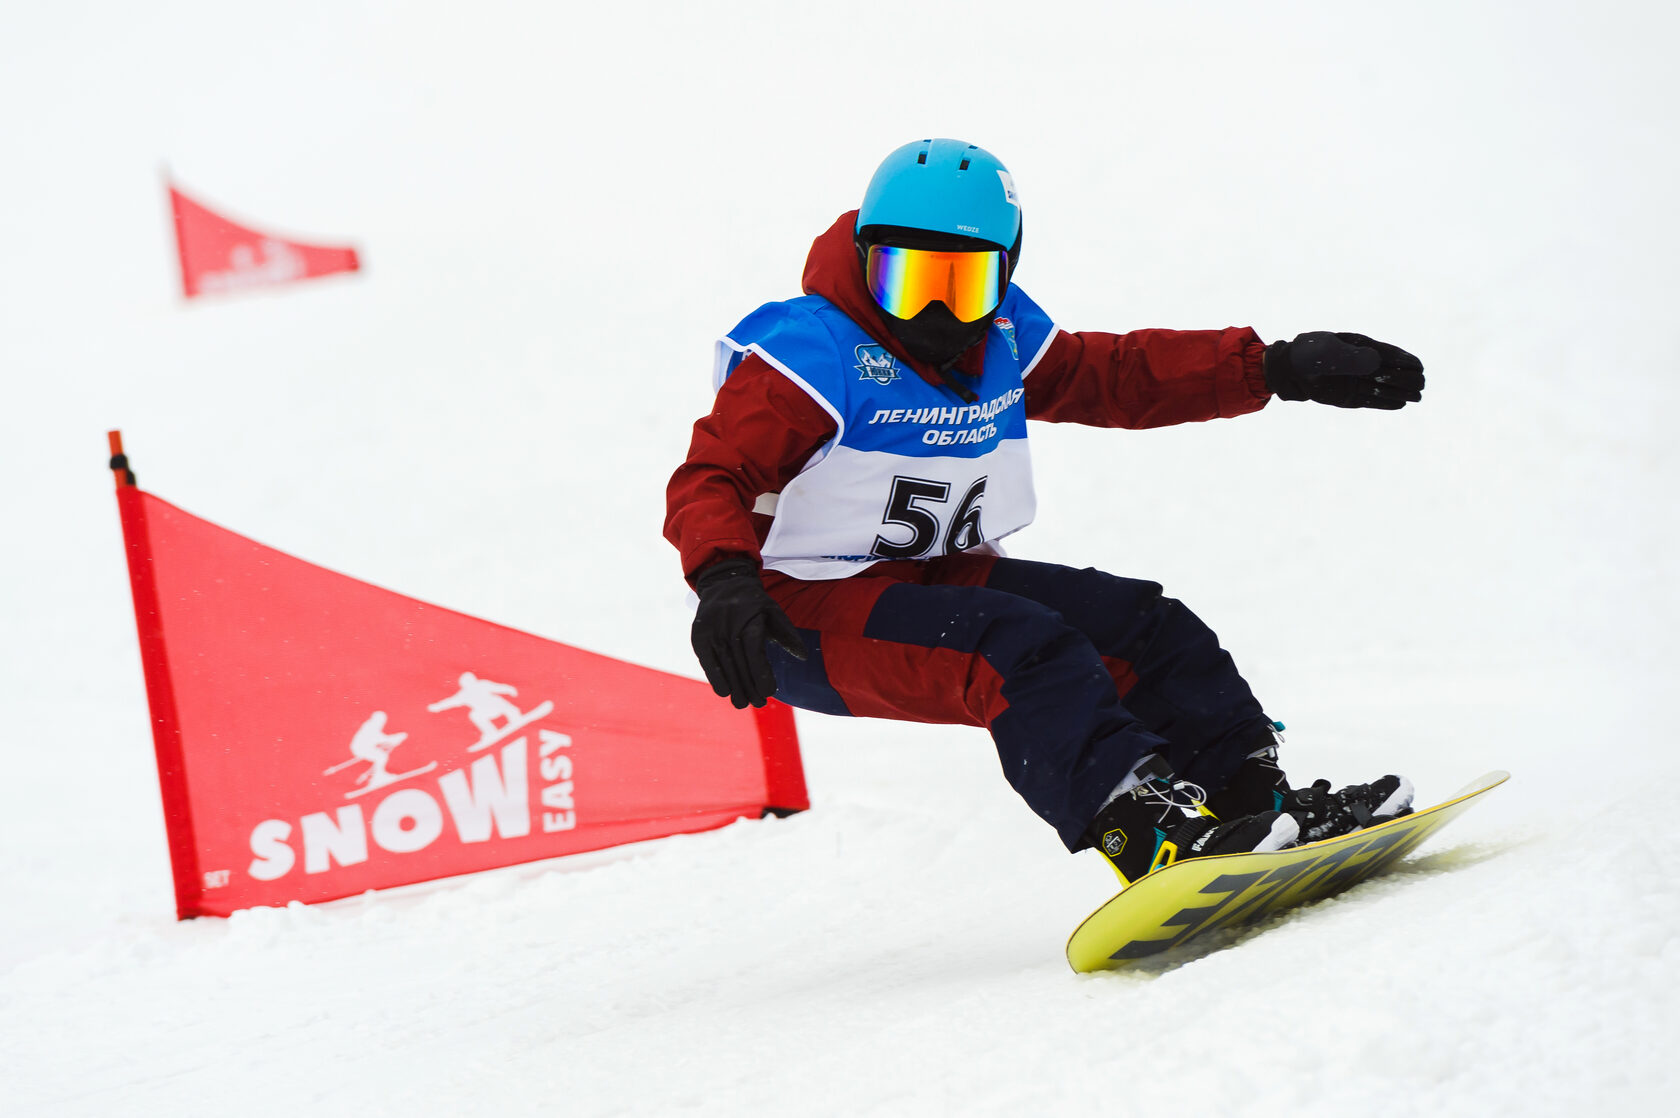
(119, 460)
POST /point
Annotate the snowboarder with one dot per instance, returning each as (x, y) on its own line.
(485, 704)
(839, 511)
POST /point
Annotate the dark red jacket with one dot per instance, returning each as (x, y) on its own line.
(763, 428)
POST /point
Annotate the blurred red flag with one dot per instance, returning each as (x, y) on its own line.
(218, 255)
(318, 736)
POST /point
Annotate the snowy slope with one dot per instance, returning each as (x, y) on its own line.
(559, 209)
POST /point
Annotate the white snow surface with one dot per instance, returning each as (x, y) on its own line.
(560, 207)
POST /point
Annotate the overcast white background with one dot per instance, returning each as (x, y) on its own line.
(558, 209)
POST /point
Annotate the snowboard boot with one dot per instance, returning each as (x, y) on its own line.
(1160, 820)
(1260, 785)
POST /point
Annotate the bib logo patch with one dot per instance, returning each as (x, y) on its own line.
(875, 363)
(1008, 329)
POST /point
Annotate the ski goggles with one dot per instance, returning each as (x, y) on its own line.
(904, 280)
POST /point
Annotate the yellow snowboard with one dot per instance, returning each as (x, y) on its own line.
(1178, 902)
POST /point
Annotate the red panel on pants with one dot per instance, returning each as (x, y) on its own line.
(885, 679)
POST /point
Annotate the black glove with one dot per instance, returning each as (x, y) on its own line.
(1347, 370)
(733, 629)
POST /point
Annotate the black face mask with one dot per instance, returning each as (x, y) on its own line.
(937, 336)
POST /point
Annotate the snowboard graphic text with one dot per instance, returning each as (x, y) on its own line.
(1247, 896)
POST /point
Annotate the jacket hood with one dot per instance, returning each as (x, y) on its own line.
(834, 271)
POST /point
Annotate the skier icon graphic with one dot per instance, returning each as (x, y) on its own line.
(486, 703)
(373, 746)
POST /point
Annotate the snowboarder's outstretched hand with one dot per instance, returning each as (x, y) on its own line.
(1346, 370)
(733, 630)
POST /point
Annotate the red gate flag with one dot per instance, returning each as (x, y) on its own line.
(318, 736)
(219, 255)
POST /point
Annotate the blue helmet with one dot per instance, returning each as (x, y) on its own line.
(945, 187)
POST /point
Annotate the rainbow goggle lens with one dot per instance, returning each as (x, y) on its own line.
(904, 280)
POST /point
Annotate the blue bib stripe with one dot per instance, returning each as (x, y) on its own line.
(912, 470)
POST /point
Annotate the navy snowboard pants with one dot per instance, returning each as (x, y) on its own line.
(1076, 673)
